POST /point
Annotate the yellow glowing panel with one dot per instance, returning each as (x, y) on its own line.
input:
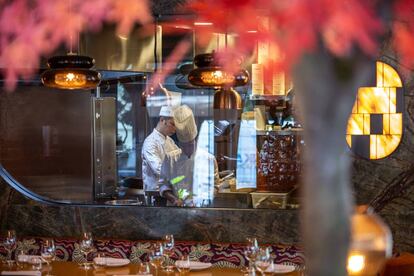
(349, 140)
(373, 100)
(356, 124)
(390, 77)
(393, 99)
(380, 100)
(367, 124)
(396, 123)
(380, 74)
(386, 124)
(386, 144)
(355, 107)
(373, 146)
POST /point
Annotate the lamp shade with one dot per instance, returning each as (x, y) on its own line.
(371, 243)
(216, 77)
(71, 72)
(210, 73)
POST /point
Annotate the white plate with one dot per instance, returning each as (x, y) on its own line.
(280, 268)
(111, 262)
(31, 259)
(196, 265)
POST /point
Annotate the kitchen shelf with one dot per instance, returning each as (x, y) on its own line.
(268, 97)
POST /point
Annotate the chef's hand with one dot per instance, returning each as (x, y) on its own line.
(178, 202)
(173, 199)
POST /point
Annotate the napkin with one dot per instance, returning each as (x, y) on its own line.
(116, 261)
(23, 272)
(30, 258)
(280, 268)
(111, 261)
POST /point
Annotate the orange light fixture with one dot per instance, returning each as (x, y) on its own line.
(211, 73)
(371, 243)
(375, 126)
(71, 72)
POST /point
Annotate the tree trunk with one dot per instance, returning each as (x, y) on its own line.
(326, 88)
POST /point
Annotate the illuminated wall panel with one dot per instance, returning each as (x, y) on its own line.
(376, 124)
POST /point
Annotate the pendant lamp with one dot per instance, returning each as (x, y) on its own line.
(71, 72)
(210, 73)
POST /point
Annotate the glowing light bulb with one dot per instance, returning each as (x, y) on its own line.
(70, 76)
(216, 77)
(356, 263)
(217, 74)
(70, 80)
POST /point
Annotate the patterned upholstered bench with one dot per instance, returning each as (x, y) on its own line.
(219, 254)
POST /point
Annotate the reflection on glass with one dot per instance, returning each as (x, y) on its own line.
(246, 155)
(125, 140)
(57, 164)
(205, 166)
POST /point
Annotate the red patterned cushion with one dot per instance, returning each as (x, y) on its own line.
(219, 254)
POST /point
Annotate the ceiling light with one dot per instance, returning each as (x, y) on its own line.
(71, 72)
(210, 73)
(203, 24)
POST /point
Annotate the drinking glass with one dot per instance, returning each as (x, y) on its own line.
(47, 253)
(21, 258)
(183, 264)
(168, 245)
(156, 256)
(263, 260)
(86, 247)
(250, 252)
(9, 245)
(36, 262)
(144, 269)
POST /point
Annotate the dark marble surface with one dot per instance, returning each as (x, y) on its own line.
(133, 222)
(388, 184)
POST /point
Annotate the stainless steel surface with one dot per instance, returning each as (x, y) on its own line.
(45, 141)
(124, 202)
(104, 146)
(227, 98)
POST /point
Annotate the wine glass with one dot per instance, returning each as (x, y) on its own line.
(183, 264)
(86, 247)
(168, 245)
(10, 244)
(250, 252)
(156, 256)
(36, 262)
(144, 269)
(47, 253)
(263, 260)
(21, 258)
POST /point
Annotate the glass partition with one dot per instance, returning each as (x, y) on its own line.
(136, 142)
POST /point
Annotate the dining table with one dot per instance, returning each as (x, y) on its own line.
(63, 268)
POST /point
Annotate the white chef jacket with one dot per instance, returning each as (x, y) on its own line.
(154, 150)
(200, 171)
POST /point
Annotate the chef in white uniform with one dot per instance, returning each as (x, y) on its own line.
(157, 146)
(189, 180)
